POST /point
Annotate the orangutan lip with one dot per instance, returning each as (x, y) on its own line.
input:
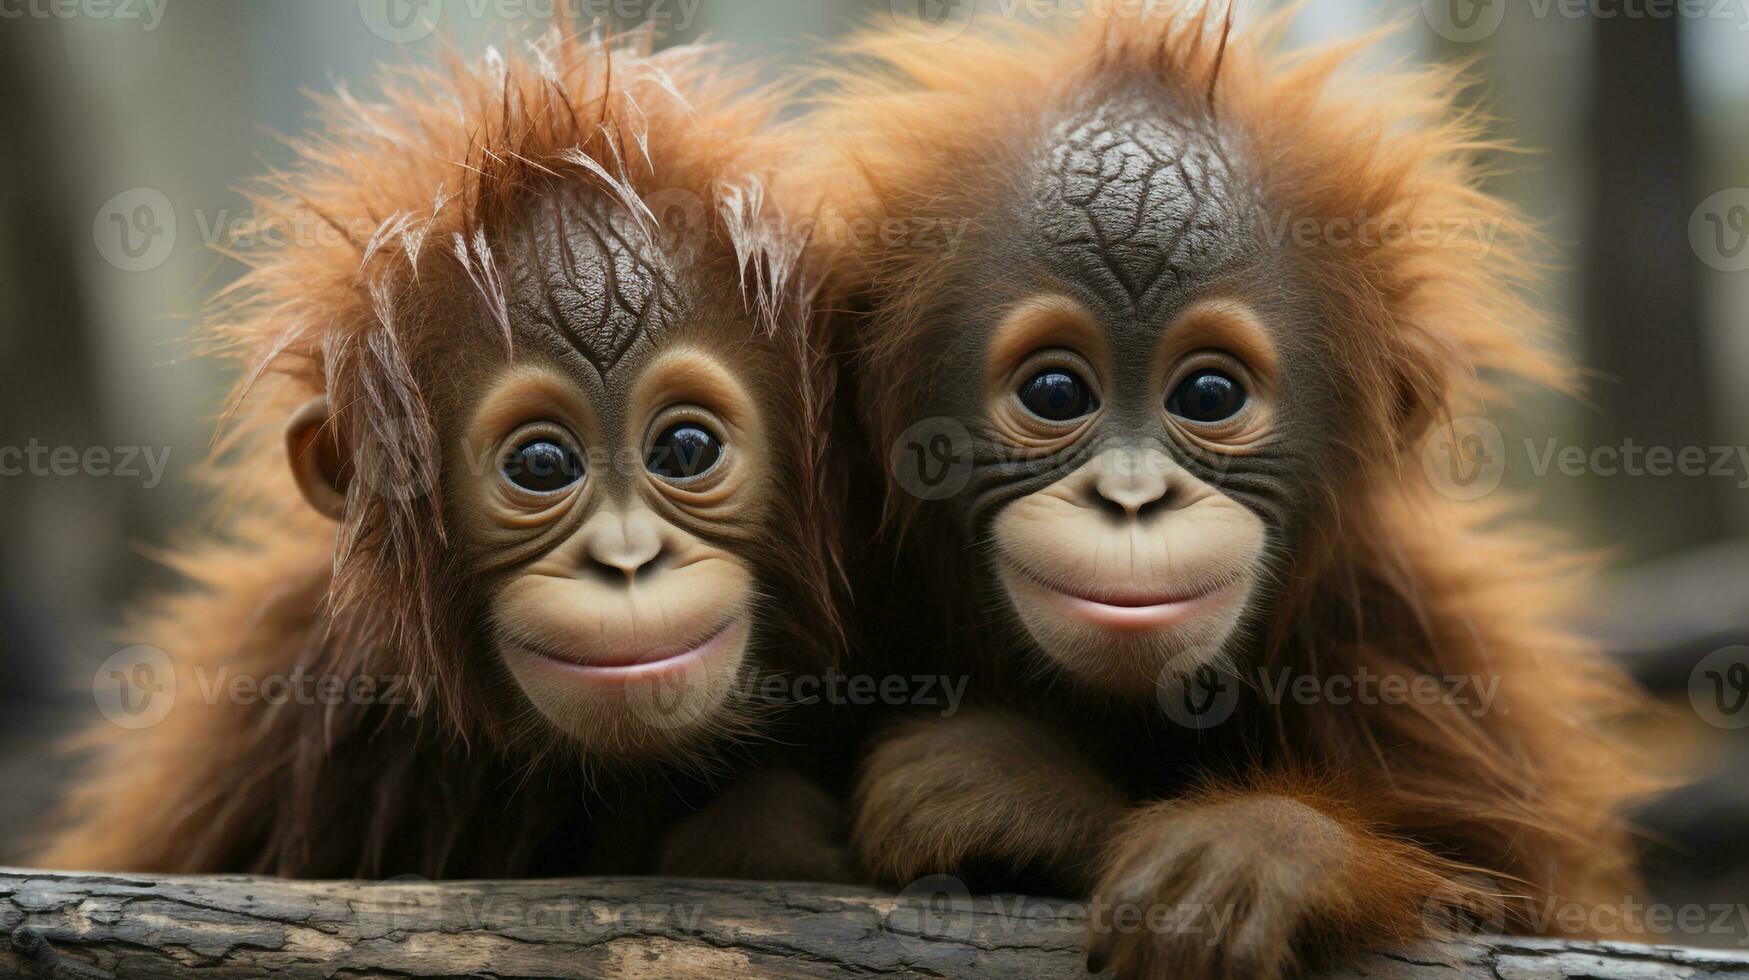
(1118, 600)
(649, 661)
(1131, 611)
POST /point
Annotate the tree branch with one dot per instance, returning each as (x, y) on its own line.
(86, 927)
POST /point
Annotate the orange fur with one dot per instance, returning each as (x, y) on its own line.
(1396, 580)
(386, 309)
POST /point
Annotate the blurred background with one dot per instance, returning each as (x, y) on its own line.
(127, 126)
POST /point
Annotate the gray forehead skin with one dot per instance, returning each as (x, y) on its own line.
(1136, 208)
(584, 273)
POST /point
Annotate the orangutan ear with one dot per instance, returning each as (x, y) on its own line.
(318, 458)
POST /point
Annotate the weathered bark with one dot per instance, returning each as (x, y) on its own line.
(86, 926)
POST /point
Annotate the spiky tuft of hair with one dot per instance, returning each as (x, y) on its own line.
(402, 190)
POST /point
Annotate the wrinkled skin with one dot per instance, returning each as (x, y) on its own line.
(587, 283)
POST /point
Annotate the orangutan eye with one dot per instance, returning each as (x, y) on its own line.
(543, 466)
(1057, 395)
(1207, 397)
(683, 451)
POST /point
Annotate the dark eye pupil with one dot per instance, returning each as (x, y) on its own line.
(1056, 396)
(543, 466)
(683, 451)
(1207, 396)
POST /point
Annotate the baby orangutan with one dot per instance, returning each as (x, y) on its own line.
(1151, 425)
(556, 424)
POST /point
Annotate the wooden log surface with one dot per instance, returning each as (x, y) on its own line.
(84, 927)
